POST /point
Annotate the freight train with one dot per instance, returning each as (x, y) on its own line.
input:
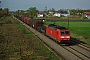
(57, 33)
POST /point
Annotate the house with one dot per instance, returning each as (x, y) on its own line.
(65, 13)
(87, 14)
(57, 14)
(62, 13)
(40, 14)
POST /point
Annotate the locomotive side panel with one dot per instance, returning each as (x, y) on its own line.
(54, 34)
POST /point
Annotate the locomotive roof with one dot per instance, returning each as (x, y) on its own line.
(57, 27)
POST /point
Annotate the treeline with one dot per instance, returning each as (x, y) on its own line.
(4, 12)
(78, 11)
(31, 12)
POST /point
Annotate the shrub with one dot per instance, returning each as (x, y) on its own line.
(2, 36)
(8, 22)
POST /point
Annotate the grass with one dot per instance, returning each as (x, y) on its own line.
(81, 29)
(17, 43)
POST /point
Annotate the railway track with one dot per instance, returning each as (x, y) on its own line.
(77, 53)
(72, 52)
(81, 45)
(80, 48)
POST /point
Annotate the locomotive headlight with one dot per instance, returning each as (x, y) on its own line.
(67, 36)
(33, 25)
(62, 36)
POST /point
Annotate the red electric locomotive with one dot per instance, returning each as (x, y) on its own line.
(59, 33)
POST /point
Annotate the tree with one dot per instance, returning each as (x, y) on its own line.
(33, 11)
(51, 11)
(1, 13)
(5, 11)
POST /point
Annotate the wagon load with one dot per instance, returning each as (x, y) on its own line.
(36, 23)
(28, 20)
(25, 18)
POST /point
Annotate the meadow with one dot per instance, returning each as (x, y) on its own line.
(18, 43)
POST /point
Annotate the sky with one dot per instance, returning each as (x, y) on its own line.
(14, 5)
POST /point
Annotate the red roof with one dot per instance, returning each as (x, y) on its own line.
(40, 12)
(88, 13)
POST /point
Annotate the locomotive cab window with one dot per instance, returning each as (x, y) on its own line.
(66, 32)
(62, 33)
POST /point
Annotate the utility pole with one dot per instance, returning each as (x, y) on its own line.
(45, 10)
(68, 22)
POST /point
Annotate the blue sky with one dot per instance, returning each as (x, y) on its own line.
(14, 5)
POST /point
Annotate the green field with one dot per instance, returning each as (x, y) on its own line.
(18, 43)
(79, 28)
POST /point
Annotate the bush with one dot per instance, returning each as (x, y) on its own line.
(8, 22)
(85, 18)
(2, 36)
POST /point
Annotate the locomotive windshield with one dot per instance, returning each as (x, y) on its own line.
(65, 32)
